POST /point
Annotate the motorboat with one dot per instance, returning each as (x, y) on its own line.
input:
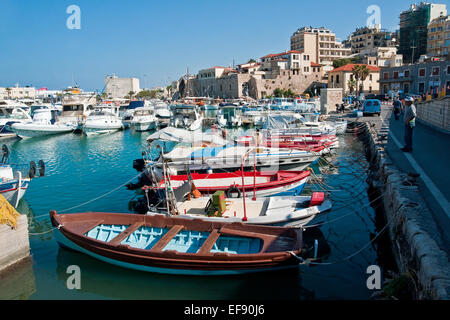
(144, 119)
(174, 245)
(103, 119)
(186, 116)
(45, 122)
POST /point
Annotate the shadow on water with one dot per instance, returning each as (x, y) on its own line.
(113, 282)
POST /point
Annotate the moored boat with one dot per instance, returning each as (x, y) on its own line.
(174, 245)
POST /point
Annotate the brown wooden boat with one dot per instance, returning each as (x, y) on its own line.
(174, 245)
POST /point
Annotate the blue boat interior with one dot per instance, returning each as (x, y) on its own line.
(207, 152)
(185, 241)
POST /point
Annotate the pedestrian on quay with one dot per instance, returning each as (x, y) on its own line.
(398, 107)
(409, 119)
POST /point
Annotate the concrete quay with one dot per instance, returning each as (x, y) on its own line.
(416, 208)
(14, 244)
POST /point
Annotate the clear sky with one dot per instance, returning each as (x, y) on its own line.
(156, 41)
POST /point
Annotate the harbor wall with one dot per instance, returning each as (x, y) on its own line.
(435, 113)
(410, 223)
(14, 243)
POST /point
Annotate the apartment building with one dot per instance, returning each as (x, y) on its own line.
(438, 43)
(342, 77)
(17, 93)
(369, 39)
(414, 29)
(420, 78)
(382, 57)
(320, 44)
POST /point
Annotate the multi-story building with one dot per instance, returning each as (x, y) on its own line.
(439, 37)
(382, 57)
(116, 87)
(343, 77)
(17, 93)
(369, 39)
(418, 78)
(414, 29)
(320, 44)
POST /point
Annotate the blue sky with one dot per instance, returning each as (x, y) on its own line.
(156, 41)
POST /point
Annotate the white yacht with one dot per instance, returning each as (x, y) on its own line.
(44, 122)
(230, 116)
(10, 114)
(103, 119)
(144, 119)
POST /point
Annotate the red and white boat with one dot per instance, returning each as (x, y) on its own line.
(261, 184)
(317, 144)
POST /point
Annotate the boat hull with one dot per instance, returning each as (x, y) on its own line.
(276, 252)
(31, 132)
(12, 193)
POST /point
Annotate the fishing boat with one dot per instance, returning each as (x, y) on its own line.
(264, 184)
(45, 122)
(102, 120)
(174, 245)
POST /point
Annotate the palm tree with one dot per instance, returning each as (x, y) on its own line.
(360, 72)
(351, 85)
(9, 92)
(131, 94)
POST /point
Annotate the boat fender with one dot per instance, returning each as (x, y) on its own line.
(231, 190)
(32, 172)
(317, 199)
(41, 168)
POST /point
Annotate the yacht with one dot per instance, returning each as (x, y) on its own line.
(103, 119)
(44, 122)
(11, 113)
(229, 115)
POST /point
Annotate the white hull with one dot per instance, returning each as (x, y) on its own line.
(30, 131)
(143, 126)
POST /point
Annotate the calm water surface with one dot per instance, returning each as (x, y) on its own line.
(79, 169)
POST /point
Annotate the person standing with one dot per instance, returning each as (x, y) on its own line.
(409, 119)
(398, 106)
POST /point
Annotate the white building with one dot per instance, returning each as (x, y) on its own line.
(116, 87)
(17, 92)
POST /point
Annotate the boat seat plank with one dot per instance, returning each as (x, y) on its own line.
(83, 227)
(128, 231)
(209, 242)
(162, 243)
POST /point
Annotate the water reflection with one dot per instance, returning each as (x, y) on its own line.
(18, 282)
(118, 283)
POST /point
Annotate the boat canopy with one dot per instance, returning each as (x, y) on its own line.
(185, 136)
(281, 121)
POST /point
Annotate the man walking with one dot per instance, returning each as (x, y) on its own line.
(409, 120)
(397, 108)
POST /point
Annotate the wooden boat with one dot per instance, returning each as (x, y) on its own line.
(263, 183)
(175, 245)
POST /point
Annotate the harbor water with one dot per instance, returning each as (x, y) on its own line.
(89, 174)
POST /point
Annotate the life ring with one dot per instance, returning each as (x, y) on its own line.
(231, 190)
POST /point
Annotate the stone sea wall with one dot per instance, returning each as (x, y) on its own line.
(405, 210)
(14, 243)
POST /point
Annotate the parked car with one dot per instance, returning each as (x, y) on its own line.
(372, 106)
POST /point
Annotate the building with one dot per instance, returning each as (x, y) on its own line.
(420, 78)
(369, 39)
(382, 57)
(414, 29)
(116, 87)
(342, 77)
(320, 44)
(17, 93)
(438, 43)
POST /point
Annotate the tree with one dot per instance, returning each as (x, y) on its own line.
(251, 61)
(9, 92)
(351, 85)
(360, 72)
(131, 94)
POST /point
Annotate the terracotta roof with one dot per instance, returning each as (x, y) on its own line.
(313, 64)
(281, 54)
(349, 68)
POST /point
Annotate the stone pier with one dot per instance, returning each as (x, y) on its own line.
(14, 243)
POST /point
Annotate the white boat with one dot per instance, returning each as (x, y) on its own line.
(229, 116)
(187, 117)
(102, 120)
(44, 123)
(144, 119)
(12, 184)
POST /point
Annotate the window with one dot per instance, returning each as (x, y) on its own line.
(337, 79)
(422, 72)
(448, 69)
(370, 77)
(436, 71)
(421, 87)
(406, 73)
(395, 74)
